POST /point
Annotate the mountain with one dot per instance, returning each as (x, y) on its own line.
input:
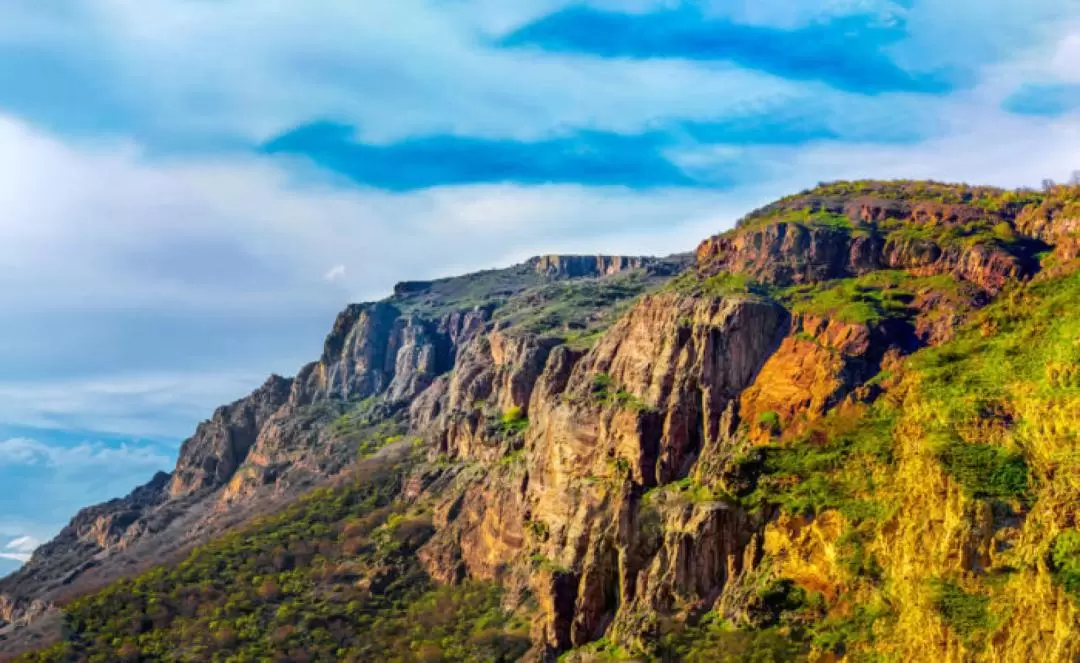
(845, 429)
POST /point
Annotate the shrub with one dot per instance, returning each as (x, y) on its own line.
(966, 614)
(770, 421)
(1065, 561)
(513, 421)
(985, 471)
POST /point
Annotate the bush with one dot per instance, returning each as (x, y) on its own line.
(1065, 562)
(966, 614)
(770, 421)
(985, 471)
(513, 421)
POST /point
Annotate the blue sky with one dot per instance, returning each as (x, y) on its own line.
(191, 189)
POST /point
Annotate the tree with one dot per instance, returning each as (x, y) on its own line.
(1047, 184)
(1075, 179)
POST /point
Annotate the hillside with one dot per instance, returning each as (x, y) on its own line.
(844, 430)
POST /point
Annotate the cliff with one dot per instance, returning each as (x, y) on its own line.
(259, 453)
(843, 429)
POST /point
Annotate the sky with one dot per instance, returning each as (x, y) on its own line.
(191, 189)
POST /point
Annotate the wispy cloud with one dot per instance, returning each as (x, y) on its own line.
(20, 549)
(163, 405)
(86, 456)
(336, 273)
(15, 557)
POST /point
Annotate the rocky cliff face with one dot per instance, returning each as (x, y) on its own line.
(723, 443)
(210, 458)
(556, 266)
(263, 449)
(866, 235)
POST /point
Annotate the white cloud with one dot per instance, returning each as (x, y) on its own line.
(1067, 55)
(336, 273)
(165, 405)
(82, 457)
(993, 148)
(25, 544)
(20, 549)
(15, 557)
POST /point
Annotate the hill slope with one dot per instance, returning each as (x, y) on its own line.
(846, 430)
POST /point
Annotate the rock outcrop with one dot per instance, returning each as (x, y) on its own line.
(560, 266)
(786, 254)
(210, 458)
(631, 414)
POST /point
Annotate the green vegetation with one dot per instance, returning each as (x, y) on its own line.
(826, 468)
(1023, 345)
(716, 642)
(491, 288)
(770, 421)
(368, 426)
(575, 311)
(723, 284)
(605, 392)
(513, 422)
(966, 614)
(1065, 558)
(908, 190)
(985, 471)
(688, 489)
(334, 577)
(804, 216)
(525, 299)
(868, 299)
(951, 215)
(778, 627)
(844, 635)
(600, 651)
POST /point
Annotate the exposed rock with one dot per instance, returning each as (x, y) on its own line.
(221, 445)
(411, 287)
(556, 266)
(819, 363)
(632, 412)
(788, 253)
(793, 252)
(376, 349)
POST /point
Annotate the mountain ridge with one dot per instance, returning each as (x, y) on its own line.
(210, 459)
(629, 414)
